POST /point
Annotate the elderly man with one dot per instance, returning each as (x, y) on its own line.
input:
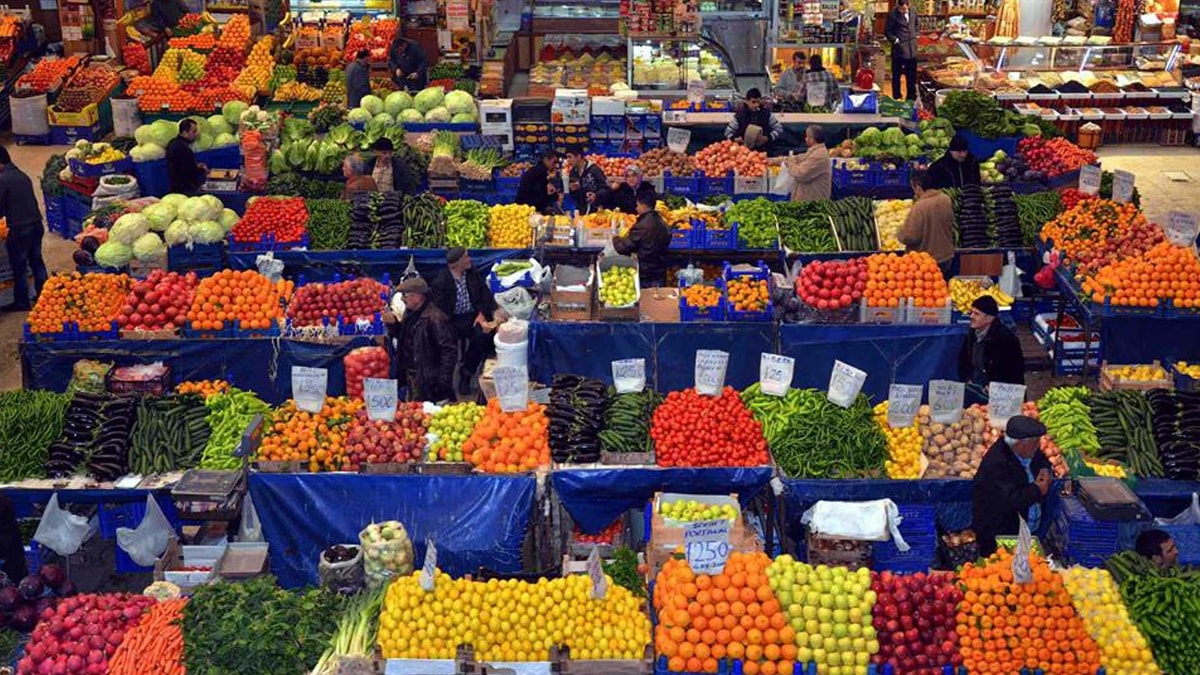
(991, 352)
(425, 347)
(460, 291)
(812, 172)
(1012, 480)
(624, 197)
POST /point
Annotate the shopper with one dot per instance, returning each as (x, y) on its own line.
(820, 87)
(929, 226)
(990, 353)
(791, 81)
(462, 294)
(12, 550)
(540, 185)
(184, 174)
(1158, 547)
(1012, 480)
(811, 172)
(165, 14)
(391, 171)
(358, 78)
(589, 185)
(901, 31)
(19, 206)
(355, 169)
(753, 124)
(625, 197)
(407, 64)
(957, 168)
(650, 239)
(425, 349)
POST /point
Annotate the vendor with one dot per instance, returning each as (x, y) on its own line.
(460, 291)
(625, 197)
(540, 185)
(650, 239)
(19, 208)
(753, 124)
(957, 168)
(589, 185)
(901, 31)
(391, 171)
(358, 78)
(1012, 480)
(425, 349)
(820, 88)
(1158, 547)
(184, 174)
(811, 172)
(407, 64)
(791, 81)
(929, 226)
(355, 170)
(165, 14)
(991, 352)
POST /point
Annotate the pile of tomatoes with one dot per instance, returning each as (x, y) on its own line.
(690, 429)
(832, 285)
(159, 302)
(46, 75)
(281, 219)
(719, 159)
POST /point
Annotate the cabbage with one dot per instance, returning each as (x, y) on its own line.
(128, 228)
(214, 203)
(203, 142)
(218, 125)
(229, 218)
(206, 232)
(372, 104)
(144, 134)
(232, 112)
(438, 114)
(147, 153)
(174, 199)
(160, 216)
(113, 254)
(149, 248)
(162, 131)
(176, 234)
(411, 115)
(428, 99)
(463, 118)
(460, 102)
(358, 116)
(341, 134)
(197, 209)
(397, 101)
(201, 122)
(384, 119)
(224, 140)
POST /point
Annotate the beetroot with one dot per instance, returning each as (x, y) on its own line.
(31, 587)
(9, 598)
(52, 576)
(79, 635)
(23, 618)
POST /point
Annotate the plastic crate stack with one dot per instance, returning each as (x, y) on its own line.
(1082, 539)
(129, 515)
(1187, 540)
(918, 526)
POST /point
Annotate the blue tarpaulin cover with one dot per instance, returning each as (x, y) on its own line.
(952, 497)
(476, 521)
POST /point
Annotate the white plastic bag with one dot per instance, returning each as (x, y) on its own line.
(1010, 277)
(783, 183)
(60, 530)
(150, 538)
(269, 267)
(861, 521)
(251, 527)
(516, 302)
(1189, 516)
(513, 332)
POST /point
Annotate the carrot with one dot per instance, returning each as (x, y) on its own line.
(155, 645)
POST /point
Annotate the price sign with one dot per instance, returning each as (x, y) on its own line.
(596, 573)
(775, 374)
(429, 569)
(1004, 401)
(1122, 187)
(946, 401)
(380, 397)
(678, 139)
(458, 15)
(706, 544)
(1022, 572)
(1089, 179)
(815, 94)
(710, 371)
(1182, 228)
(308, 388)
(903, 402)
(512, 387)
(696, 91)
(674, 117)
(629, 375)
(845, 381)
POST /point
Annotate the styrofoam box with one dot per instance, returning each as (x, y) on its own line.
(608, 105)
(196, 556)
(707, 500)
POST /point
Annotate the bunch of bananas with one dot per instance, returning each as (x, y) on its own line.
(296, 91)
(965, 291)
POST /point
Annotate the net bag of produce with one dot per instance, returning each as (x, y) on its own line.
(340, 568)
(387, 552)
(362, 363)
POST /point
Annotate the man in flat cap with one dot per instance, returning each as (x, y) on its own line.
(1012, 480)
(459, 290)
(991, 353)
(425, 351)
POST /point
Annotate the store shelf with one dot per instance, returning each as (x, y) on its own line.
(808, 45)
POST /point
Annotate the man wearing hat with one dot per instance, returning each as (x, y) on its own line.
(991, 352)
(957, 168)
(1012, 480)
(461, 293)
(425, 349)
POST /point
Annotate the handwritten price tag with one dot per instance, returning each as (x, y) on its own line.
(903, 402)
(1182, 228)
(946, 401)
(678, 139)
(380, 397)
(1004, 402)
(674, 117)
(1122, 187)
(710, 371)
(706, 544)
(1089, 179)
(596, 573)
(775, 374)
(308, 388)
(429, 569)
(512, 387)
(1022, 572)
(696, 91)
(629, 375)
(845, 381)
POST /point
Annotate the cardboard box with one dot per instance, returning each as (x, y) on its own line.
(667, 536)
(605, 313)
(572, 305)
(570, 106)
(243, 560)
(167, 568)
(608, 105)
(659, 305)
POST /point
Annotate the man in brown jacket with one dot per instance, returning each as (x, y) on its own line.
(929, 226)
(812, 171)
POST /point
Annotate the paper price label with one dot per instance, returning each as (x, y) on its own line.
(710, 371)
(1122, 187)
(706, 544)
(1089, 179)
(946, 401)
(903, 402)
(678, 139)
(308, 388)
(674, 117)
(1004, 402)
(629, 375)
(1182, 228)
(429, 569)
(815, 94)
(512, 387)
(381, 398)
(845, 381)
(775, 374)
(1022, 572)
(595, 572)
(696, 91)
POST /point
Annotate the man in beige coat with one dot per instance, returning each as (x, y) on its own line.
(811, 172)
(929, 226)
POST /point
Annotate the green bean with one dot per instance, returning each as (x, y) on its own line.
(30, 420)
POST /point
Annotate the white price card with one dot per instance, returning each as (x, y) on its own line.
(678, 139)
(1004, 402)
(706, 545)
(815, 94)
(775, 374)
(1022, 572)
(1182, 228)
(674, 117)
(903, 402)
(420, 667)
(710, 371)
(380, 396)
(595, 572)
(845, 381)
(308, 388)
(629, 375)
(512, 387)
(1089, 179)
(696, 91)
(429, 569)
(946, 401)
(1122, 186)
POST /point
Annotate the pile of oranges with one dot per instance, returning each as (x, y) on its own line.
(1097, 232)
(509, 442)
(93, 301)
(294, 435)
(236, 32)
(1164, 272)
(704, 619)
(204, 40)
(1004, 626)
(892, 278)
(245, 296)
(701, 296)
(747, 294)
(204, 388)
(259, 66)
(157, 94)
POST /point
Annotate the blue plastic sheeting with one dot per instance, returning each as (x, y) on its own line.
(1165, 498)
(889, 354)
(951, 496)
(597, 497)
(1136, 339)
(260, 365)
(29, 503)
(323, 265)
(476, 521)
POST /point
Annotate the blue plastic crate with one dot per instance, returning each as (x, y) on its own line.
(129, 514)
(1187, 540)
(28, 139)
(152, 177)
(722, 185)
(87, 170)
(854, 177)
(267, 243)
(864, 106)
(1069, 179)
(508, 184)
(229, 157)
(69, 135)
(892, 177)
(682, 186)
(688, 239)
(424, 127)
(689, 314)
(203, 259)
(56, 214)
(726, 239)
(71, 333)
(481, 187)
(191, 333)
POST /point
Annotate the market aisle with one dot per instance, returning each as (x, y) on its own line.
(1150, 164)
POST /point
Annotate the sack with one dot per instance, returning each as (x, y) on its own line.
(60, 530)
(783, 183)
(342, 576)
(1010, 277)
(1189, 516)
(150, 538)
(251, 527)
(862, 521)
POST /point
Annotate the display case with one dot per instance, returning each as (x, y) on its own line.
(577, 62)
(1051, 63)
(576, 9)
(666, 65)
(354, 8)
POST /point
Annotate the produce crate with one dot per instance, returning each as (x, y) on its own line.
(67, 135)
(27, 139)
(70, 333)
(508, 184)
(683, 186)
(203, 259)
(1109, 383)
(267, 243)
(152, 177)
(425, 127)
(1066, 180)
(821, 550)
(918, 526)
(229, 157)
(1080, 539)
(76, 208)
(726, 239)
(986, 147)
(687, 313)
(927, 316)
(1187, 540)
(688, 239)
(83, 169)
(56, 214)
(879, 315)
(892, 177)
(120, 381)
(388, 468)
(760, 273)
(475, 187)
(846, 178)
(129, 514)
(1183, 381)
(722, 185)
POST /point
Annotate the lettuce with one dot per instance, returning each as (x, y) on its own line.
(296, 128)
(279, 163)
(113, 254)
(462, 118)
(197, 209)
(438, 114)
(384, 119)
(206, 232)
(411, 115)
(218, 125)
(128, 228)
(160, 216)
(232, 112)
(163, 131)
(149, 248)
(229, 218)
(358, 116)
(295, 153)
(203, 142)
(144, 134)
(428, 99)
(224, 141)
(147, 153)
(397, 101)
(201, 122)
(174, 199)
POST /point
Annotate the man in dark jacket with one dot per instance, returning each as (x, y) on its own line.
(165, 14)
(991, 353)
(184, 174)
(650, 239)
(18, 205)
(540, 186)
(358, 78)
(589, 185)
(461, 293)
(1012, 480)
(957, 168)
(625, 196)
(407, 64)
(901, 31)
(391, 171)
(425, 350)
(754, 112)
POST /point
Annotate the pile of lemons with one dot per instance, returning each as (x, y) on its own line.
(1123, 648)
(889, 218)
(509, 226)
(904, 446)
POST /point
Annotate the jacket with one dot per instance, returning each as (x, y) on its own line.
(833, 91)
(812, 173)
(358, 184)
(184, 175)
(763, 118)
(1003, 360)
(402, 175)
(411, 61)
(166, 14)
(425, 354)
(625, 199)
(591, 179)
(443, 293)
(18, 203)
(791, 84)
(1000, 492)
(948, 172)
(532, 190)
(650, 239)
(358, 82)
(902, 34)
(929, 226)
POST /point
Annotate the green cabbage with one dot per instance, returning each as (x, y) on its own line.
(460, 102)
(372, 104)
(164, 131)
(384, 119)
(147, 153)
(428, 99)
(438, 114)
(206, 232)
(218, 125)
(203, 142)
(174, 199)
(197, 209)
(232, 112)
(359, 116)
(176, 234)
(129, 227)
(411, 115)
(201, 122)
(463, 118)
(113, 254)
(144, 134)
(149, 248)
(224, 140)
(397, 101)
(229, 218)
(213, 203)
(160, 216)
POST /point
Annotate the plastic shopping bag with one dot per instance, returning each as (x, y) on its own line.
(783, 183)
(1190, 516)
(861, 521)
(60, 530)
(251, 527)
(150, 538)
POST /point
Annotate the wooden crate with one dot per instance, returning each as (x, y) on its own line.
(1109, 382)
(837, 552)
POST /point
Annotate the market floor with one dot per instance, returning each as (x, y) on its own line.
(1157, 170)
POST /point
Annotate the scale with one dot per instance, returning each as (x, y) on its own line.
(222, 180)
(203, 494)
(1108, 499)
